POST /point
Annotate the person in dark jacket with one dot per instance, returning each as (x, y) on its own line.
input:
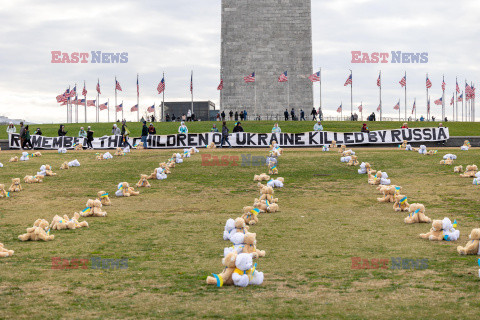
(125, 134)
(236, 115)
(38, 132)
(89, 137)
(151, 129)
(237, 128)
(365, 128)
(225, 135)
(22, 134)
(26, 140)
(313, 113)
(144, 134)
(223, 115)
(286, 114)
(61, 131)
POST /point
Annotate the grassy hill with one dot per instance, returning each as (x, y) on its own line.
(456, 128)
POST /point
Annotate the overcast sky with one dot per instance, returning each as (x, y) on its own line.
(177, 36)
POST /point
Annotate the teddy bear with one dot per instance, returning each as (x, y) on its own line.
(39, 231)
(59, 223)
(266, 206)
(333, 145)
(15, 187)
(404, 144)
(272, 168)
(93, 209)
(353, 161)
(107, 156)
(382, 188)
(36, 154)
(47, 169)
(74, 163)
(345, 159)
(431, 152)
(458, 169)
(422, 149)
(78, 146)
(261, 177)
(417, 214)
(388, 194)
(62, 150)
(73, 222)
(276, 183)
(178, 158)
(342, 148)
(245, 272)
(225, 277)
(250, 246)
(165, 167)
(408, 147)
(363, 168)
(161, 175)
(374, 179)
(250, 215)
(211, 145)
(470, 171)
(139, 146)
(3, 192)
(24, 156)
(240, 226)
(401, 203)
(466, 145)
(186, 153)
(384, 179)
(99, 156)
(119, 152)
(447, 162)
(64, 166)
(124, 190)
(476, 181)
(143, 182)
(33, 179)
(4, 252)
(442, 230)
(126, 149)
(104, 199)
(266, 193)
(325, 148)
(229, 229)
(449, 156)
(13, 159)
(171, 163)
(472, 246)
(348, 152)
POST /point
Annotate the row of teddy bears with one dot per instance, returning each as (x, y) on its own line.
(41, 228)
(239, 267)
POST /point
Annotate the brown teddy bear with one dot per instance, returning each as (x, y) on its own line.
(266, 193)
(143, 182)
(372, 179)
(250, 246)
(388, 194)
(417, 214)
(99, 156)
(3, 192)
(241, 226)
(472, 246)
(458, 169)
(211, 145)
(59, 223)
(48, 171)
(265, 206)
(4, 252)
(447, 162)
(93, 209)
(470, 171)
(165, 167)
(15, 187)
(431, 152)
(404, 144)
(353, 161)
(64, 166)
(33, 179)
(153, 175)
(342, 148)
(224, 278)
(272, 168)
(124, 190)
(401, 203)
(13, 159)
(261, 177)
(139, 146)
(435, 233)
(36, 154)
(37, 232)
(333, 145)
(78, 146)
(119, 152)
(250, 215)
(104, 199)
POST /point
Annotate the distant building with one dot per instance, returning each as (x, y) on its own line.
(203, 110)
(5, 120)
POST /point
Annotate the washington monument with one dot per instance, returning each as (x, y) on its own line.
(268, 38)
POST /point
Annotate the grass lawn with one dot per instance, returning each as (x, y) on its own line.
(101, 129)
(172, 235)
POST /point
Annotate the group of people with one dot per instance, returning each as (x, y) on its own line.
(242, 115)
(302, 114)
(25, 135)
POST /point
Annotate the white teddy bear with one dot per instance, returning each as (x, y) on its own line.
(450, 156)
(325, 148)
(408, 147)
(476, 181)
(178, 158)
(384, 179)
(363, 168)
(449, 232)
(423, 149)
(464, 148)
(161, 175)
(194, 150)
(245, 272)
(24, 156)
(275, 183)
(1, 165)
(42, 171)
(62, 150)
(229, 229)
(345, 159)
(107, 156)
(74, 163)
(126, 149)
(186, 153)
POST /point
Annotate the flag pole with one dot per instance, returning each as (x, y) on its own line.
(453, 107)
(428, 111)
(138, 101)
(463, 98)
(115, 99)
(456, 99)
(381, 107)
(320, 109)
(472, 105)
(76, 105)
(108, 110)
(97, 113)
(288, 90)
(163, 97)
(191, 89)
(68, 98)
(405, 95)
(351, 95)
(361, 112)
(443, 99)
(85, 97)
(399, 112)
(255, 95)
(415, 103)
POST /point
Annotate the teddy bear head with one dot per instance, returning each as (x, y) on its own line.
(100, 194)
(143, 177)
(2, 187)
(16, 181)
(417, 206)
(239, 223)
(437, 225)
(47, 167)
(475, 234)
(281, 179)
(250, 238)
(229, 260)
(41, 223)
(90, 203)
(244, 261)
(97, 203)
(447, 224)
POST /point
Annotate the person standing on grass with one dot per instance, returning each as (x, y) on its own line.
(276, 128)
(11, 129)
(237, 128)
(236, 115)
(214, 128)
(245, 114)
(241, 115)
(183, 128)
(231, 115)
(302, 115)
(144, 134)
(223, 115)
(189, 115)
(115, 130)
(82, 133)
(285, 113)
(61, 131)
(22, 134)
(151, 129)
(89, 137)
(314, 114)
(318, 126)
(125, 134)
(26, 140)
(225, 135)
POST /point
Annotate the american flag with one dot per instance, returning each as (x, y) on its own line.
(403, 82)
(458, 88)
(360, 108)
(220, 86)
(473, 92)
(117, 85)
(339, 109)
(161, 86)
(443, 84)
(119, 107)
(468, 91)
(379, 81)
(460, 98)
(397, 106)
(429, 83)
(453, 99)
(134, 108)
(98, 87)
(64, 103)
(61, 98)
(438, 101)
(283, 77)
(414, 106)
(91, 103)
(103, 106)
(84, 92)
(349, 81)
(82, 101)
(71, 93)
(379, 108)
(191, 83)
(138, 87)
(315, 77)
(250, 78)
(151, 109)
